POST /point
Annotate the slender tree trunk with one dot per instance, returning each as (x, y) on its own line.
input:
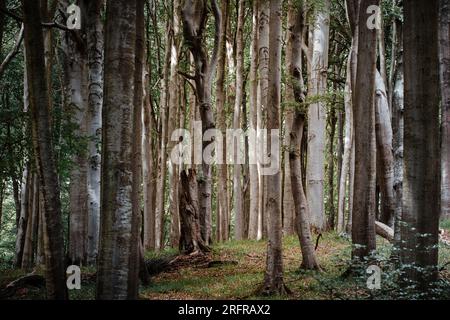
(421, 191)
(43, 148)
(348, 142)
(273, 280)
(136, 268)
(397, 127)
(174, 107)
(162, 169)
(24, 217)
(315, 171)
(222, 170)
(237, 167)
(253, 126)
(148, 169)
(95, 46)
(444, 41)
(331, 170)
(115, 265)
(263, 87)
(363, 221)
(288, 198)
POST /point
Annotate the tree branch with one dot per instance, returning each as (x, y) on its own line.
(13, 52)
(188, 76)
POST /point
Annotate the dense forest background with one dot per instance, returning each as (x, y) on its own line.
(334, 116)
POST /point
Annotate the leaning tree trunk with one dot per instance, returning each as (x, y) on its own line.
(115, 262)
(273, 280)
(444, 41)
(363, 220)
(385, 154)
(43, 151)
(421, 189)
(315, 171)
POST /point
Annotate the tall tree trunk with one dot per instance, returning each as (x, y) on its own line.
(76, 95)
(263, 87)
(421, 191)
(253, 126)
(237, 167)
(315, 171)
(95, 44)
(273, 280)
(43, 148)
(296, 88)
(397, 127)
(162, 169)
(114, 263)
(174, 107)
(346, 158)
(222, 170)
(194, 14)
(148, 169)
(444, 41)
(363, 220)
(288, 198)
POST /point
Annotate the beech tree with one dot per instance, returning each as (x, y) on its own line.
(363, 221)
(116, 265)
(273, 280)
(43, 148)
(194, 14)
(421, 188)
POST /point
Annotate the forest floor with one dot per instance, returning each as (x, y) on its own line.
(241, 277)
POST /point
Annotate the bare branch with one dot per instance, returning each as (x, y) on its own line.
(188, 76)
(15, 50)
